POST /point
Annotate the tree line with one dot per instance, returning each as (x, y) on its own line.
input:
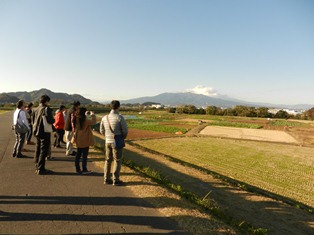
(241, 111)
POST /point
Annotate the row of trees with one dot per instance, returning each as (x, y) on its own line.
(242, 111)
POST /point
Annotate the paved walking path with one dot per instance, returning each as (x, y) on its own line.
(64, 202)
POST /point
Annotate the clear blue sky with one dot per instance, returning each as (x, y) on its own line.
(255, 50)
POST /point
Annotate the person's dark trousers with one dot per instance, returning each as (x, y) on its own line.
(59, 137)
(81, 152)
(19, 143)
(41, 152)
(29, 134)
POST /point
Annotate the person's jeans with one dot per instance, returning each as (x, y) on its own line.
(84, 153)
(69, 145)
(115, 155)
(19, 143)
(29, 134)
(59, 137)
(41, 151)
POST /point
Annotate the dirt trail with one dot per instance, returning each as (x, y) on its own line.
(260, 211)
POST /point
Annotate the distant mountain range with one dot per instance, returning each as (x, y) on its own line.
(33, 96)
(198, 100)
(171, 99)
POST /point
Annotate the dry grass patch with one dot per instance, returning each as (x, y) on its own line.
(280, 169)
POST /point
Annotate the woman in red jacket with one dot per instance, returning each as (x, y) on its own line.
(59, 125)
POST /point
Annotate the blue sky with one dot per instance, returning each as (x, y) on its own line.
(255, 50)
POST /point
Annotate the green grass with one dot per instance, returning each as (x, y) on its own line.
(236, 124)
(286, 123)
(280, 169)
(154, 126)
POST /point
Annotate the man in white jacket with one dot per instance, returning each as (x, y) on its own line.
(19, 116)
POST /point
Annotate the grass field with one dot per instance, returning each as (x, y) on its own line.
(281, 169)
(154, 125)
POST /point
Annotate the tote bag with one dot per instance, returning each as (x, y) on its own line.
(47, 126)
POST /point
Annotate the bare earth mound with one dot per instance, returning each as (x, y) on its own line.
(249, 134)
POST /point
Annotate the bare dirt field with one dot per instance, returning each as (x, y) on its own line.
(249, 134)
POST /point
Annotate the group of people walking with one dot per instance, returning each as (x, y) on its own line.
(75, 125)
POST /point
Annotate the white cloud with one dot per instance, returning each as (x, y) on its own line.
(203, 90)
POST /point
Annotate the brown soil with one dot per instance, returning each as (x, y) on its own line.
(250, 134)
(304, 135)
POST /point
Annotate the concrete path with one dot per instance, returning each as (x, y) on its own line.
(64, 202)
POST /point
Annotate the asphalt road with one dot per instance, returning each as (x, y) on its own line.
(64, 202)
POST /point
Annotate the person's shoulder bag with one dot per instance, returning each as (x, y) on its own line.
(119, 142)
(20, 128)
(47, 126)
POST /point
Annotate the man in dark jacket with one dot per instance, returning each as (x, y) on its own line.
(68, 128)
(42, 138)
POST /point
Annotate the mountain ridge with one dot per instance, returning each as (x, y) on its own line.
(199, 100)
(34, 96)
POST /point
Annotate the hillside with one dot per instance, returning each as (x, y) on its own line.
(34, 96)
(5, 98)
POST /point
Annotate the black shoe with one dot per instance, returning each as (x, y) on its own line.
(108, 182)
(19, 156)
(73, 153)
(13, 154)
(117, 183)
(44, 172)
(86, 172)
(79, 172)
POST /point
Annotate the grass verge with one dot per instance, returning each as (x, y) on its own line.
(267, 169)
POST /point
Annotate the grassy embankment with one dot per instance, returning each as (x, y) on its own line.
(280, 169)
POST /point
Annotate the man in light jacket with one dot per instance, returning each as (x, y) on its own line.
(111, 125)
(19, 116)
